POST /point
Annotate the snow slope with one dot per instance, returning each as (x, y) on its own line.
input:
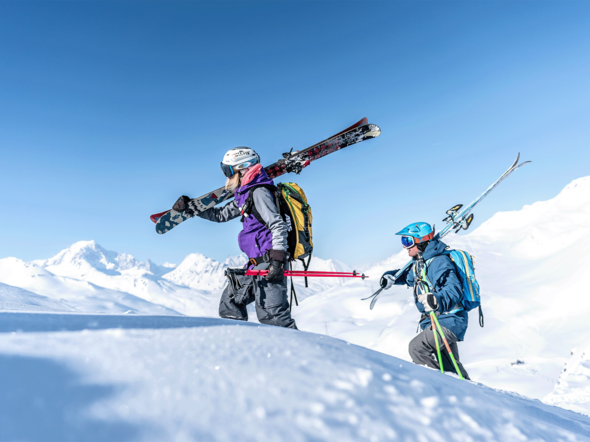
(573, 388)
(79, 294)
(218, 380)
(532, 266)
(14, 299)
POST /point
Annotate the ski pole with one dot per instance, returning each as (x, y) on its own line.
(434, 331)
(433, 316)
(308, 273)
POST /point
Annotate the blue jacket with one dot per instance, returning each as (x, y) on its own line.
(447, 289)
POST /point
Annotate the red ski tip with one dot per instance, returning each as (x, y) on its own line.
(156, 216)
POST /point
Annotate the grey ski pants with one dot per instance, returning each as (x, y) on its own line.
(272, 305)
(423, 351)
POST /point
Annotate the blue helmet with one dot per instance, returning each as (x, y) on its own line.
(421, 232)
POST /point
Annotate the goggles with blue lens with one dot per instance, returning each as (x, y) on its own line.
(228, 170)
(408, 241)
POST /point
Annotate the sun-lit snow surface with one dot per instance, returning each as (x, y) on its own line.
(573, 389)
(17, 299)
(531, 264)
(226, 381)
(533, 267)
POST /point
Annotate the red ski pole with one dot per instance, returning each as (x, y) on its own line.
(309, 273)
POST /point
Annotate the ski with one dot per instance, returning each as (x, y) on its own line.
(459, 217)
(291, 162)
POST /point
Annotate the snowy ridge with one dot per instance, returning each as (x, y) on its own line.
(95, 280)
(78, 294)
(202, 273)
(15, 299)
(573, 388)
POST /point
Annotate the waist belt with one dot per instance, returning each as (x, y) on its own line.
(259, 260)
(450, 312)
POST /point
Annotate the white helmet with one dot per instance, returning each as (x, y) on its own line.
(238, 158)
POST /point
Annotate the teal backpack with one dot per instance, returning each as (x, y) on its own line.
(466, 271)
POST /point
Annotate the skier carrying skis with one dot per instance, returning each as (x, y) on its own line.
(264, 244)
(437, 288)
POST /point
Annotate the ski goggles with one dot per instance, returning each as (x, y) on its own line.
(229, 171)
(408, 241)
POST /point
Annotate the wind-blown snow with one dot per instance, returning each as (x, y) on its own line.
(226, 381)
(573, 388)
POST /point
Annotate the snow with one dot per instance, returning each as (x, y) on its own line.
(214, 379)
(15, 299)
(531, 265)
(573, 388)
(78, 294)
(92, 279)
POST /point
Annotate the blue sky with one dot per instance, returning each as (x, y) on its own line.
(111, 110)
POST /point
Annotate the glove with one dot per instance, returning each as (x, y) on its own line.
(429, 302)
(387, 280)
(276, 270)
(181, 203)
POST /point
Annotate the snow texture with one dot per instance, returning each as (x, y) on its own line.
(573, 388)
(219, 380)
(15, 299)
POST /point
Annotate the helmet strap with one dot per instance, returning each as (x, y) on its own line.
(422, 246)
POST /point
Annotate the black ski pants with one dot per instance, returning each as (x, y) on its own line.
(270, 298)
(423, 351)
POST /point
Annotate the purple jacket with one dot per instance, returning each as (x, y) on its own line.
(254, 239)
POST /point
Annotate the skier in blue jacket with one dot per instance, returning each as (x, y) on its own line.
(437, 289)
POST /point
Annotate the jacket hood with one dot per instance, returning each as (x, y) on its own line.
(261, 178)
(434, 248)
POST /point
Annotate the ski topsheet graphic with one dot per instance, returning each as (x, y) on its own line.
(291, 162)
(459, 217)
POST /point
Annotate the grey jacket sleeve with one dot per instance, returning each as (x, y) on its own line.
(266, 207)
(221, 214)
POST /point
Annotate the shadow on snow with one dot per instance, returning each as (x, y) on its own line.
(50, 322)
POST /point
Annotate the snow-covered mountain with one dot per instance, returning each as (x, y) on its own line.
(78, 294)
(17, 299)
(90, 278)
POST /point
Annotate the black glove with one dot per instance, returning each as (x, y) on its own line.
(386, 282)
(181, 203)
(276, 270)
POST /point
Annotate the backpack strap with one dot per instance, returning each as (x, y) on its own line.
(305, 267)
(293, 294)
(424, 277)
(249, 208)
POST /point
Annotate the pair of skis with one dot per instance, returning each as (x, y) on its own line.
(291, 162)
(458, 218)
